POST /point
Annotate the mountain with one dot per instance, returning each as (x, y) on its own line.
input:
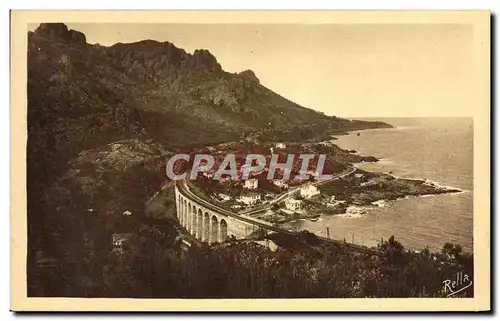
(84, 96)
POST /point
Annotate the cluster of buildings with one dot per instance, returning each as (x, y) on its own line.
(119, 240)
(277, 146)
(309, 191)
(249, 196)
(250, 199)
(280, 145)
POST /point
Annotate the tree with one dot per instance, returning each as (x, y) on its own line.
(452, 250)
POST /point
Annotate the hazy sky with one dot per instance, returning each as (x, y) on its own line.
(349, 70)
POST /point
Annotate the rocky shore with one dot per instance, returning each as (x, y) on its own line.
(388, 187)
(363, 189)
(367, 189)
(358, 189)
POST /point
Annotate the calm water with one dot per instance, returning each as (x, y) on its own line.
(438, 149)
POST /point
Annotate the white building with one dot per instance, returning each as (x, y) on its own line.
(287, 212)
(293, 204)
(225, 197)
(280, 145)
(280, 183)
(208, 174)
(334, 202)
(250, 198)
(267, 243)
(308, 191)
(251, 183)
(127, 213)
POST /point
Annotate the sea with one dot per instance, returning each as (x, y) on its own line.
(435, 149)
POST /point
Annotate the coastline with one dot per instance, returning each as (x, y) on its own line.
(365, 199)
(356, 210)
(422, 152)
(433, 182)
(366, 209)
(389, 198)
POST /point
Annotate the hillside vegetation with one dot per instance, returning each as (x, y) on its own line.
(101, 123)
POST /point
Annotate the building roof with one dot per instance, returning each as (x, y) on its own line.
(121, 236)
(308, 186)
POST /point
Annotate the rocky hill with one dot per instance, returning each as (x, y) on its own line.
(83, 96)
(102, 120)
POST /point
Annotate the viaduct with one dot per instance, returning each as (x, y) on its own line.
(212, 224)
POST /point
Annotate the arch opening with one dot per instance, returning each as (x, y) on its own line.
(223, 231)
(214, 230)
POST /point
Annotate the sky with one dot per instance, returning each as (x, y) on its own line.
(347, 70)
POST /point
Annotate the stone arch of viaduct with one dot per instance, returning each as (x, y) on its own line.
(208, 225)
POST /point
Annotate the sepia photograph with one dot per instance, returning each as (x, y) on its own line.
(274, 155)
